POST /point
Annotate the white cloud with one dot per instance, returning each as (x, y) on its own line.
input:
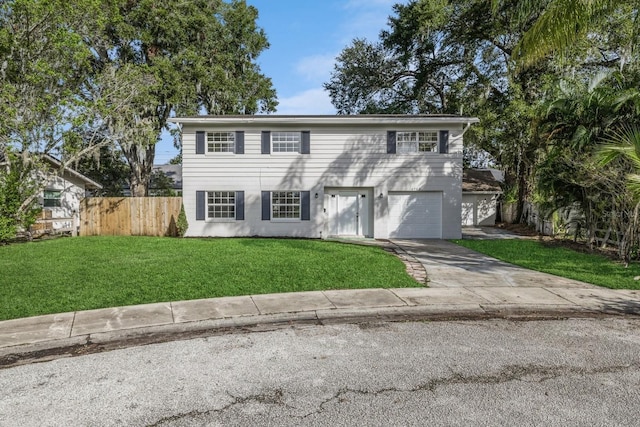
(316, 68)
(310, 101)
(366, 18)
(352, 4)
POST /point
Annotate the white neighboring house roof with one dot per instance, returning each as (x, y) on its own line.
(89, 183)
(328, 119)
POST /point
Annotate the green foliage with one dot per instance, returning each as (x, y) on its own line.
(161, 184)
(78, 75)
(575, 168)
(18, 204)
(86, 272)
(565, 24)
(180, 57)
(107, 167)
(182, 224)
(45, 63)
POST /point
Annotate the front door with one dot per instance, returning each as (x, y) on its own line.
(348, 213)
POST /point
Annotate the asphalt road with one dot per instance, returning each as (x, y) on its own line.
(571, 372)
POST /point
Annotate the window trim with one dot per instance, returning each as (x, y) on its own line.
(416, 142)
(202, 206)
(231, 142)
(212, 195)
(293, 132)
(299, 205)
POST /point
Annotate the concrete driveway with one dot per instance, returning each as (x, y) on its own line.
(449, 265)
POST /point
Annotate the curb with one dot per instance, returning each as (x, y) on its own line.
(114, 340)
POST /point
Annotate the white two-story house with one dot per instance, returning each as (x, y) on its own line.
(381, 176)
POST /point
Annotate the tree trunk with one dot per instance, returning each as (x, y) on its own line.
(522, 183)
(140, 159)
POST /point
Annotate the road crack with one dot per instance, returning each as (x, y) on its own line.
(274, 397)
(528, 373)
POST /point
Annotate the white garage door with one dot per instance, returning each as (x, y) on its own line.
(415, 215)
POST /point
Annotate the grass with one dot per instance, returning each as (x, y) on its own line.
(560, 261)
(84, 273)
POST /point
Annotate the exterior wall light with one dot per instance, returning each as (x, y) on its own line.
(381, 196)
(316, 195)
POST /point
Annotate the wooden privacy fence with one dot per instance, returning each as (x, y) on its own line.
(129, 216)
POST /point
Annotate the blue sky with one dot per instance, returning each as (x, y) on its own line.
(305, 37)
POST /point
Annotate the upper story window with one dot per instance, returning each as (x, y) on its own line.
(52, 199)
(285, 142)
(221, 142)
(221, 204)
(417, 142)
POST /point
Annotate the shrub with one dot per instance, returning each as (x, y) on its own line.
(182, 223)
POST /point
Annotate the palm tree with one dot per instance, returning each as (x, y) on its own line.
(560, 24)
(625, 144)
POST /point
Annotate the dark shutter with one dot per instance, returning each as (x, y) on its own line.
(266, 205)
(444, 141)
(200, 205)
(266, 142)
(240, 205)
(305, 209)
(305, 147)
(391, 142)
(239, 149)
(199, 142)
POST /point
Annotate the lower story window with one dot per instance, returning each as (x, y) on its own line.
(221, 204)
(52, 199)
(285, 205)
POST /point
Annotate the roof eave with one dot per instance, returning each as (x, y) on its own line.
(326, 120)
(88, 181)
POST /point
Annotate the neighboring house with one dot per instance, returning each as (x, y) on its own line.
(61, 197)
(480, 193)
(172, 181)
(382, 176)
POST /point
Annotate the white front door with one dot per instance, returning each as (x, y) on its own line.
(468, 209)
(348, 213)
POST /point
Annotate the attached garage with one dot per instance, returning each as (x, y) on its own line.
(415, 215)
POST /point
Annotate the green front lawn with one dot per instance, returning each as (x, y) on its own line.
(94, 272)
(535, 255)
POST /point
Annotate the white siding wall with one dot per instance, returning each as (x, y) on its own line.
(341, 156)
(72, 192)
(479, 209)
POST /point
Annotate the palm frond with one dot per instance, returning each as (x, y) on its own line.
(608, 153)
(561, 24)
(633, 185)
(626, 97)
(623, 142)
(596, 80)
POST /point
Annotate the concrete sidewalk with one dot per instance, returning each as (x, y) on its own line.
(320, 307)
(463, 284)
